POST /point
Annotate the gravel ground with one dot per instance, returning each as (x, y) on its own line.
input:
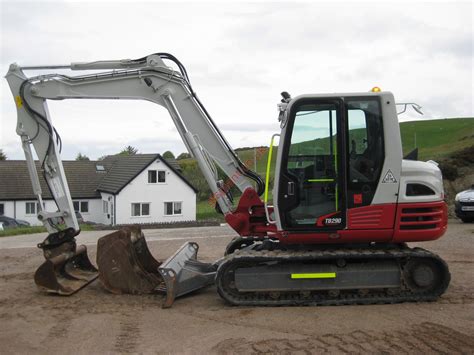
(94, 321)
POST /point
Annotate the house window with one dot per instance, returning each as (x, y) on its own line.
(140, 209)
(161, 176)
(105, 207)
(156, 176)
(81, 206)
(173, 208)
(2, 209)
(152, 179)
(30, 208)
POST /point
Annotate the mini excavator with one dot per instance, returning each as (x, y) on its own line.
(345, 202)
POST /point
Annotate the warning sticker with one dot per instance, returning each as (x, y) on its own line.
(389, 178)
(19, 101)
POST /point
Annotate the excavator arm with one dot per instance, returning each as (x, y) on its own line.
(147, 78)
(143, 79)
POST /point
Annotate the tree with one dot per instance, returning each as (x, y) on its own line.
(183, 156)
(129, 150)
(82, 157)
(194, 175)
(168, 155)
(2, 155)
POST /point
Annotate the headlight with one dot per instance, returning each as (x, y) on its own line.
(458, 197)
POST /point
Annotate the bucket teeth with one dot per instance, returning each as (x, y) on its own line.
(67, 271)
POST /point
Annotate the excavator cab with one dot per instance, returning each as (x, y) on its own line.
(331, 158)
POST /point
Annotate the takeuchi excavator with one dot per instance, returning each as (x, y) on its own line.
(345, 202)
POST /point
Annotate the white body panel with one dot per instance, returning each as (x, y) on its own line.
(388, 192)
(424, 173)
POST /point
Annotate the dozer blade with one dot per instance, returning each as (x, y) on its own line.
(126, 264)
(66, 270)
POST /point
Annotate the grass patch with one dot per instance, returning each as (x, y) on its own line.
(36, 229)
(22, 230)
(437, 138)
(204, 211)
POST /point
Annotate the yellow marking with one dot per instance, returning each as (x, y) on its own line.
(321, 180)
(19, 101)
(318, 275)
(267, 177)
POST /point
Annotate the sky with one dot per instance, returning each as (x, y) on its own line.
(239, 57)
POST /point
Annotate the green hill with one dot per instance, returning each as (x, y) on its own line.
(437, 138)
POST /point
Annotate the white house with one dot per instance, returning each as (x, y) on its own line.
(142, 188)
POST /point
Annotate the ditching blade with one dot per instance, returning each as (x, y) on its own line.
(183, 273)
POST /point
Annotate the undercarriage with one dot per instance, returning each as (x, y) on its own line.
(269, 274)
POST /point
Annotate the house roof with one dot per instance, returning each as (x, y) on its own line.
(173, 163)
(15, 181)
(84, 179)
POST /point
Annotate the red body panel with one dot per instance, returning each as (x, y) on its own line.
(249, 217)
(389, 223)
(371, 217)
(419, 222)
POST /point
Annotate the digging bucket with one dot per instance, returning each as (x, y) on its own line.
(66, 270)
(126, 264)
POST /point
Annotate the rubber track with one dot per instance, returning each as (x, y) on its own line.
(322, 298)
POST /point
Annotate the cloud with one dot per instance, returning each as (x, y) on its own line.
(239, 56)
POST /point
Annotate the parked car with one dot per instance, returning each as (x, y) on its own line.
(1, 226)
(9, 222)
(464, 205)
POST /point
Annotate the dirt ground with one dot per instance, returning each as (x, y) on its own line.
(94, 321)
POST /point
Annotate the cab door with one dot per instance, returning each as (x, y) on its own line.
(311, 184)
